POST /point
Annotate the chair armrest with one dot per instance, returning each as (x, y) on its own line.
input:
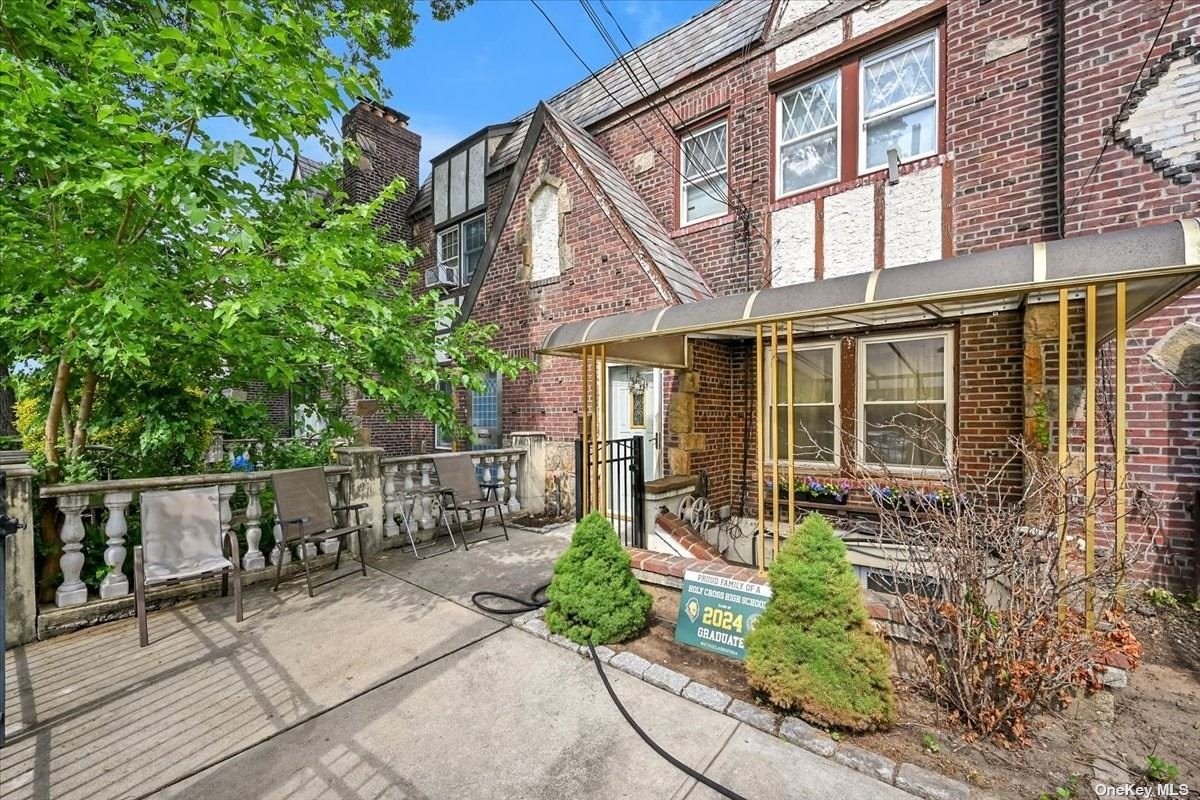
(301, 521)
(491, 485)
(354, 507)
(234, 549)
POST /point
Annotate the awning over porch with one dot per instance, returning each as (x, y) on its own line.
(1157, 263)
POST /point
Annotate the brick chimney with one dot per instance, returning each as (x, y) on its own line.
(387, 149)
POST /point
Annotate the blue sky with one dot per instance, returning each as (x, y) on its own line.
(494, 60)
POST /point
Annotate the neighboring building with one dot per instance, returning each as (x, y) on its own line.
(772, 144)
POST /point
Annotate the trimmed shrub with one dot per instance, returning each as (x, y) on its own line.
(814, 650)
(594, 598)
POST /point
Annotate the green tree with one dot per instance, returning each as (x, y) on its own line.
(594, 597)
(814, 650)
(140, 254)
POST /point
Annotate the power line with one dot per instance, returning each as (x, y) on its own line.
(1111, 135)
(628, 114)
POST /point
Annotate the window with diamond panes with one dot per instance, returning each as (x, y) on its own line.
(705, 182)
(899, 103)
(808, 135)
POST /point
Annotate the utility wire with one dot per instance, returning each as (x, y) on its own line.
(628, 114)
(636, 53)
(1111, 135)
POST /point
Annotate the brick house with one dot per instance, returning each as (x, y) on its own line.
(809, 143)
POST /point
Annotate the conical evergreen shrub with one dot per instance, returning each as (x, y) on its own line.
(594, 597)
(814, 650)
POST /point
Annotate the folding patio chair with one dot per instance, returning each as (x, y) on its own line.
(302, 498)
(461, 492)
(181, 540)
(405, 518)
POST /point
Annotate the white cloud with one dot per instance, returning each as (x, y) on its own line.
(647, 15)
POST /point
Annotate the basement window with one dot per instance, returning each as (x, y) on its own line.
(704, 182)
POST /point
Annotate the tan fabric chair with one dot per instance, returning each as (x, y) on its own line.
(461, 492)
(181, 541)
(306, 517)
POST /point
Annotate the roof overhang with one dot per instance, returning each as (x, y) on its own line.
(1157, 263)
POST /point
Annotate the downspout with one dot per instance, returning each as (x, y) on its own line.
(1061, 138)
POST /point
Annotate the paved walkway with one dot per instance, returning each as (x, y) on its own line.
(383, 687)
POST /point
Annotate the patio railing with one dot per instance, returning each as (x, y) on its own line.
(114, 503)
(410, 486)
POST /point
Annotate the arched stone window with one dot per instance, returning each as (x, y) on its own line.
(546, 254)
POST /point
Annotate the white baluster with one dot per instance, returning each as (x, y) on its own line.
(279, 551)
(391, 505)
(115, 584)
(426, 495)
(72, 591)
(514, 504)
(253, 559)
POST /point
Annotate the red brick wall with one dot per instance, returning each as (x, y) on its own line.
(990, 396)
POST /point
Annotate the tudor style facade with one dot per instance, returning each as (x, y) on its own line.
(803, 140)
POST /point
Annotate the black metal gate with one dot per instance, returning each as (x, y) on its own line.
(625, 486)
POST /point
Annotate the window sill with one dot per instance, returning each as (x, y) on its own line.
(871, 178)
(703, 224)
(541, 282)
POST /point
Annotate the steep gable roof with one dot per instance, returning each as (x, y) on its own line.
(664, 263)
(669, 57)
(687, 284)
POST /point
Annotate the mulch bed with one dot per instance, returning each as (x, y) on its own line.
(1158, 713)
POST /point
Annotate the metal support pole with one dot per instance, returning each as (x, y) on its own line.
(1119, 444)
(585, 479)
(1063, 440)
(8, 527)
(775, 441)
(602, 389)
(759, 460)
(791, 423)
(1089, 517)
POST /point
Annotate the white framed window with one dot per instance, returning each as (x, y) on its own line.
(816, 416)
(905, 401)
(898, 97)
(704, 179)
(460, 247)
(808, 135)
(473, 238)
(449, 255)
(442, 439)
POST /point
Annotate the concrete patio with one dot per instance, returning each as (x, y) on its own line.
(388, 686)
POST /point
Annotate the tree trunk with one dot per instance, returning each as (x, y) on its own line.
(62, 379)
(79, 440)
(8, 405)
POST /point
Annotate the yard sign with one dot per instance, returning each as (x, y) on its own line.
(716, 613)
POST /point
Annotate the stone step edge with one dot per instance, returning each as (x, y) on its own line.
(905, 776)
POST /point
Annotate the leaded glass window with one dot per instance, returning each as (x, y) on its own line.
(808, 135)
(704, 186)
(899, 102)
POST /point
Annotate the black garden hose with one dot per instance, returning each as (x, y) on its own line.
(522, 605)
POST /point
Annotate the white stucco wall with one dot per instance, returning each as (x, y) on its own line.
(912, 218)
(792, 10)
(477, 166)
(441, 176)
(544, 230)
(875, 14)
(850, 232)
(458, 183)
(810, 44)
(793, 245)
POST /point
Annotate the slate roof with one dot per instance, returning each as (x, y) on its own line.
(689, 47)
(670, 262)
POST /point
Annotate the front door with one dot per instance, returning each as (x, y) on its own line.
(635, 409)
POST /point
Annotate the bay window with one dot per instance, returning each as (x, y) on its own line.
(704, 180)
(808, 118)
(904, 400)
